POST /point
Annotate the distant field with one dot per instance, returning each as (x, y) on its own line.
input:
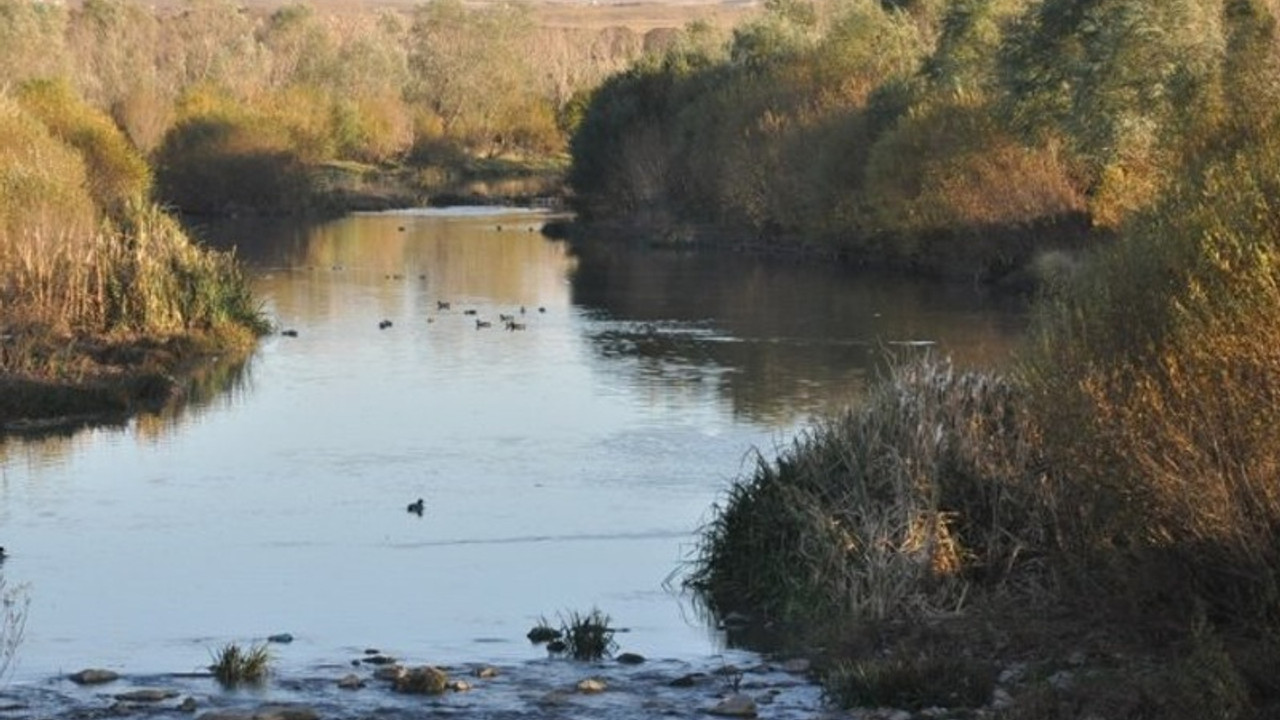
(639, 16)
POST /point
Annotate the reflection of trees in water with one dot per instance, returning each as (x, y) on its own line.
(217, 383)
(779, 338)
(406, 261)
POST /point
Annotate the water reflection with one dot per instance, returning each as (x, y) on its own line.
(216, 383)
(563, 466)
(774, 340)
(779, 339)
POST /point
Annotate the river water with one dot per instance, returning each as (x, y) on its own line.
(563, 466)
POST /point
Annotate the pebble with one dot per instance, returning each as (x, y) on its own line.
(350, 682)
(591, 685)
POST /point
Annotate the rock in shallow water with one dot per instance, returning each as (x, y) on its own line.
(738, 705)
(425, 680)
(94, 676)
(266, 712)
(351, 682)
(147, 695)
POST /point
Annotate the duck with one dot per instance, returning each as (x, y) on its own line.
(483, 324)
(442, 305)
(289, 333)
(513, 325)
(469, 312)
(2, 554)
(384, 324)
(506, 318)
(416, 507)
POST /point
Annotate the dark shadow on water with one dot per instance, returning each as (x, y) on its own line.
(778, 338)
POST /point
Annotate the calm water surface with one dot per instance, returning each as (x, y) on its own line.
(563, 467)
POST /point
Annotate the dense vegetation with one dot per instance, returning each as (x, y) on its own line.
(291, 109)
(958, 136)
(111, 110)
(1114, 496)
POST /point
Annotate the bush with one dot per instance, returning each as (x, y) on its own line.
(908, 504)
(231, 161)
(44, 181)
(117, 174)
(1158, 376)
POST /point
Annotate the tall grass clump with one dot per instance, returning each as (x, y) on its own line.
(70, 267)
(588, 636)
(234, 665)
(1158, 376)
(903, 506)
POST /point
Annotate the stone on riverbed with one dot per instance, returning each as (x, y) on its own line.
(94, 676)
(425, 680)
(591, 685)
(486, 672)
(737, 705)
(630, 658)
(147, 695)
(266, 712)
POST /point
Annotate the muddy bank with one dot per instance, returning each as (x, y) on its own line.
(60, 382)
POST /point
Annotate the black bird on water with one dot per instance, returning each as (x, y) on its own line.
(2, 555)
(416, 507)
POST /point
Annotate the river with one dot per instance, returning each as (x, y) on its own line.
(563, 466)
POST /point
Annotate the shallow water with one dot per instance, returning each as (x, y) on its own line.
(564, 466)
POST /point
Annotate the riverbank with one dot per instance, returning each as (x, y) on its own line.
(74, 381)
(1011, 258)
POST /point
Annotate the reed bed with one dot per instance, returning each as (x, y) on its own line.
(149, 278)
(900, 507)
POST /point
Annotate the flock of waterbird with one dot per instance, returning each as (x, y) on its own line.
(512, 322)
